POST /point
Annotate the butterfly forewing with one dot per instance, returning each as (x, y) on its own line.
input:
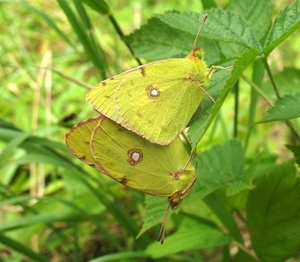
(155, 100)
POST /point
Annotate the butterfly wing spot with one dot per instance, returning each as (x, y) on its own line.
(189, 79)
(135, 156)
(152, 92)
(143, 72)
(82, 158)
(91, 165)
(123, 180)
(176, 174)
(103, 83)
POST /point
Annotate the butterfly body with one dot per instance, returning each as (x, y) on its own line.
(155, 100)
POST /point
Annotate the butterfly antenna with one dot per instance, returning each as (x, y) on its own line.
(199, 30)
(162, 231)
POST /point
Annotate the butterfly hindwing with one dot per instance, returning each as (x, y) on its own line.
(130, 159)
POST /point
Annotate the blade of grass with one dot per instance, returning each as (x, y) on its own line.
(84, 31)
(14, 245)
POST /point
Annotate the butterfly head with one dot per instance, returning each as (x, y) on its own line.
(175, 200)
(195, 54)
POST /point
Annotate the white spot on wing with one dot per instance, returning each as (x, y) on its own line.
(135, 156)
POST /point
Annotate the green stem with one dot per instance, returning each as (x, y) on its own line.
(293, 129)
(271, 77)
(264, 96)
(240, 216)
(248, 252)
(236, 88)
(287, 122)
(120, 33)
(258, 90)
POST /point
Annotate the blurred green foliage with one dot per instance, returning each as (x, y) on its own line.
(54, 208)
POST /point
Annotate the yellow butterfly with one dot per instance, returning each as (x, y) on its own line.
(155, 100)
(133, 161)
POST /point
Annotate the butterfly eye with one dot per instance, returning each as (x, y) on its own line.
(135, 156)
(152, 92)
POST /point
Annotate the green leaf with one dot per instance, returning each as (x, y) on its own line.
(273, 212)
(222, 166)
(221, 210)
(12, 145)
(287, 82)
(258, 13)
(157, 40)
(122, 256)
(287, 21)
(296, 152)
(82, 26)
(285, 108)
(155, 209)
(220, 25)
(208, 4)
(40, 219)
(41, 149)
(218, 169)
(220, 85)
(203, 117)
(99, 6)
(47, 19)
(22, 249)
(173, 35)
(191, 235)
